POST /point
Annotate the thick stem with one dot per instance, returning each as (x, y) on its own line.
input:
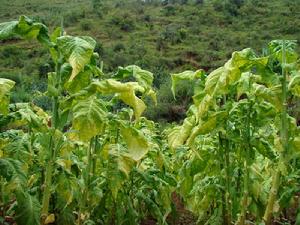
(87, 180)
(284, 141)
(248, 149)
(226, 205)
(244, 202)
(95, 153)
(51, 148)
(272, 198)
(47, 183)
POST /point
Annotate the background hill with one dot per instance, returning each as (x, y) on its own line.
(160, 36)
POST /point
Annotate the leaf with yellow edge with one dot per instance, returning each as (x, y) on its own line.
(218, 81)
(137, 144)
(206, 126)
(125, 92)
(89, 117)
(25, 28)
(186, 75)
(77, 50)
(180, 134)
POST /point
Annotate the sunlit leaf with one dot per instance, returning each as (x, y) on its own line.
(25, 28)
(137, 144)
(89, 117)
(77, 50)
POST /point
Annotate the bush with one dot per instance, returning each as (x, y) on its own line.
(85, 25)
(169, 10)
(127, 25)
(119, 47)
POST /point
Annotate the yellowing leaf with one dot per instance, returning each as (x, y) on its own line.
(137, 144)
(186, 75)
(124, 91)
(180, 134)
(77, 50)
(50, 219)
(89, 117)
(206, 126)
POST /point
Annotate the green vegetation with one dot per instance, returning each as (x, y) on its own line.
(161, 36)
(78, 144)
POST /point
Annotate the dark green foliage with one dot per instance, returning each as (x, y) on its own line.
(174, 34)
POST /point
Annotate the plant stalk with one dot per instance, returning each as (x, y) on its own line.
(51, 148)
(248, 149)
(284, 141)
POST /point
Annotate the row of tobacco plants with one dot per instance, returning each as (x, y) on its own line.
(241, 163)
(93, 159)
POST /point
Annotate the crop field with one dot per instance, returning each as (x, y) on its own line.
(93, 154)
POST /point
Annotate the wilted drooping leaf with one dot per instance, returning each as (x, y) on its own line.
(186, 75)
(180, 134)
(143, 77)
(25, 28)
(125, 91)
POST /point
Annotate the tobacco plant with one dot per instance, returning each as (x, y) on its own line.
(91, 159)
(239, 132)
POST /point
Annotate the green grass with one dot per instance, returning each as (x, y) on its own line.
(159, 38)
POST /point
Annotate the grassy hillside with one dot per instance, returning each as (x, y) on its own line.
(159, 36)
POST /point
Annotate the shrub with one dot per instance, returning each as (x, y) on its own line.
(119, 47)
(85, 25)
(169, 10)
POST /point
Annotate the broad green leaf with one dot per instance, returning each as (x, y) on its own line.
(89, 117)
(186, 75)
(294, 85)
(81, 81)
(203, 108)
(180, 134)
(137, 144)
(117, 168)
(11, 169)
(25, 28)
(28, 209)
(77, 50)
(125, 91)
(244, 84)
(264, 148)
(7, 29)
